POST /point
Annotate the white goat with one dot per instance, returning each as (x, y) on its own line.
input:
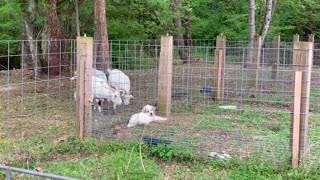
(120, 81)
(99, 74)
(95, 72)
(101, 90)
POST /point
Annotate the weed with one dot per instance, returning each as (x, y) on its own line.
(169, 152)
(63, 147)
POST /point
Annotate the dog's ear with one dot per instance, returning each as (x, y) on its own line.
(144, 109)
(153, 108)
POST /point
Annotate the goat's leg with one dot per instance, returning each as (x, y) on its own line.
(114, 107)
(99, 101)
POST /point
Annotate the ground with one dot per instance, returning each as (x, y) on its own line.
(46, 109)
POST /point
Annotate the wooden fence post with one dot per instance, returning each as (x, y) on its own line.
(276, 57)
(311, 38)
(84, 86)
(219, 62)
(295, 119)
(302, 61)
(296, 38)
(165, 75)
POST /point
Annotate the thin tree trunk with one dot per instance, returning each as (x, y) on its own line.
(55, 36)
(188, 27)
(267, 20)
(251, 23)
(101, 35)
(77, 17)
(29, 45)
(178, 37)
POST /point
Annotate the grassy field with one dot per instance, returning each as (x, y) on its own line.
(89, 159)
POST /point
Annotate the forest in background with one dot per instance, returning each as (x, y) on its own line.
(140, 19)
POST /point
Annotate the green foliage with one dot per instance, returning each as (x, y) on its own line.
(169, 153)
(149, 19)
(10, 19)
(256, 168)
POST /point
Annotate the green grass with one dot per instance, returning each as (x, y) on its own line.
(114, 165)
(90, 159)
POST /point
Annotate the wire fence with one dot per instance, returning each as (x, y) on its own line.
(243, 123)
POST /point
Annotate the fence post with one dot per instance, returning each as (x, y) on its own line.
(219, 61)
(84, 86)
(296, 38)
(165, 75)
(302, 61)
(311, 38)
(295, 119)
(276, 57)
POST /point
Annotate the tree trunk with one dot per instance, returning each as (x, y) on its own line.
(267, 20)
(77, 17)
(178, 37)
(188, 27)
(29, 44)
(101, 35)
(55, 35)
(251, 23)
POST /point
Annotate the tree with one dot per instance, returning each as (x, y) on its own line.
(177, 35)
(55, 35)
(252, 30)
(267, 20)
(101, 35)
(76, 3)
(188, 27)
(252, 26)
(28, 33)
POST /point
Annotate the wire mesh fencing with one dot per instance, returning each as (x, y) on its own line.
(246, 121)
(36, 93)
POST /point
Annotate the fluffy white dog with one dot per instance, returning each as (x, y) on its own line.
(146, 116)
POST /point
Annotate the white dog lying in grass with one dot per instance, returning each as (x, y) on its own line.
(146, 116)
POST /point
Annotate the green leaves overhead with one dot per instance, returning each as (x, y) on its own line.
(140, 19)
(10, 19)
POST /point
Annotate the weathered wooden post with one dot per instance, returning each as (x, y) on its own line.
(276, 57)
(295, 118)
(296, 38)
(165, 75)
(311, 38)
(219, 62)
(302, 61)
(84, 86)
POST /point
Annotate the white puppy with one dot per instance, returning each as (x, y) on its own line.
(146, 116)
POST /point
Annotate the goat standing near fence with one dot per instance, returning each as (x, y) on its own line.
(121, 82)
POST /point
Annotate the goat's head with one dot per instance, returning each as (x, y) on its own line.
(126, 99)
(116, 97)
